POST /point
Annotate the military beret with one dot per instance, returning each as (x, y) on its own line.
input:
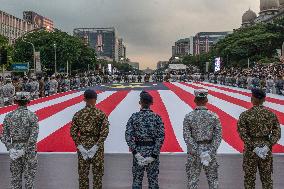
(201, 93)
(23, 96)
(258, 93)
(90, 94)
(145, 96)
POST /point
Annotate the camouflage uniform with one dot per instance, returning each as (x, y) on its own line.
(66, 85)
(8, 94)
(34, 89)
(77, 83)
(258, 127)
(90, 127)
(53, 87)
(20, 132)
(202, 132)
(145, 135)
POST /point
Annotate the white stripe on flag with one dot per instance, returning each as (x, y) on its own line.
(230, 108)
(118, 119)
(224, 147)
(58, 120)
(279, 97)
(271, 105)
(177, 110)
(45, 104)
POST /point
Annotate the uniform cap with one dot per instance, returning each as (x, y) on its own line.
(201, 93)
(23, 96)
(90, 94)
(258, 93)
(8, 79)
(146, 97)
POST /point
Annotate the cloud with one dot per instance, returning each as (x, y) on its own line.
(149, 27)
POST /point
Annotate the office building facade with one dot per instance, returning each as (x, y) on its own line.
(204, 41)
(103, 40)
(13, 27)
(38, 21)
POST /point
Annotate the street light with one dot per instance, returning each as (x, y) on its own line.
(33, 53)
(23, 39)
(55, 64)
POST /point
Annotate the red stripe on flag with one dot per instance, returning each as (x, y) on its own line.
(170, 144)
(37, 101)
(61, 141)
(277, 148)
(229, 124)
(242, 103)
(268, 99)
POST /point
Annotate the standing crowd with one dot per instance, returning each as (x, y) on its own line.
(268, 77)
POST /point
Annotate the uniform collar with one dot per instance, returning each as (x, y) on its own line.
(91, 107)
(145, 109)
(201, 108)
(259, 106)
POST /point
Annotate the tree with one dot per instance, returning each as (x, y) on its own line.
(256, 42)
(68, 48)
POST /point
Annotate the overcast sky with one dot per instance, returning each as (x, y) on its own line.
(149, 27)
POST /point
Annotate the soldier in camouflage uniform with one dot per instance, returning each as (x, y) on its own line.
(34, 88)
(66, 84)
(89, 130)
(260, 130)
(53, 85)
(8, 92)
(202, 133)
(20, 133)
(145, 136)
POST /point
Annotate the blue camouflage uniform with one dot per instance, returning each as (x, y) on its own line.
(145, 135)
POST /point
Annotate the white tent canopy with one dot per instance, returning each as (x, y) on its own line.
(177, 67)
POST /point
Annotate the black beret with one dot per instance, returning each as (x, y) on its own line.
(90, 94)
(258, 93)
(146, 97)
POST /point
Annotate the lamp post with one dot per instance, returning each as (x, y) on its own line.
(23, 39)
(55, 61)
(33, 52)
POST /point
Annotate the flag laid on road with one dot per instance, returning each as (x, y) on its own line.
(172, 101)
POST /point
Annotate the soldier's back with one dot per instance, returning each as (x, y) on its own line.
(22, 118)
(258, 120)
(202, 122)
(145, 123)
(89, 121)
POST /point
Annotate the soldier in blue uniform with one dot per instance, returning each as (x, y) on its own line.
(145, 136)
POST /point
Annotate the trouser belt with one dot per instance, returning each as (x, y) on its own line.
(204, 142)
(265, 138)
(145, 143)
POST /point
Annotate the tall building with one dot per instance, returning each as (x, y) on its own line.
(13, 27)
(204, 41)
(183, 47)
(270, 10)
(162, 64)
(103, 40)
(121, 49)
(38, 21)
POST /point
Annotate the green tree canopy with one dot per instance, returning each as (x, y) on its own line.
(68, 48)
